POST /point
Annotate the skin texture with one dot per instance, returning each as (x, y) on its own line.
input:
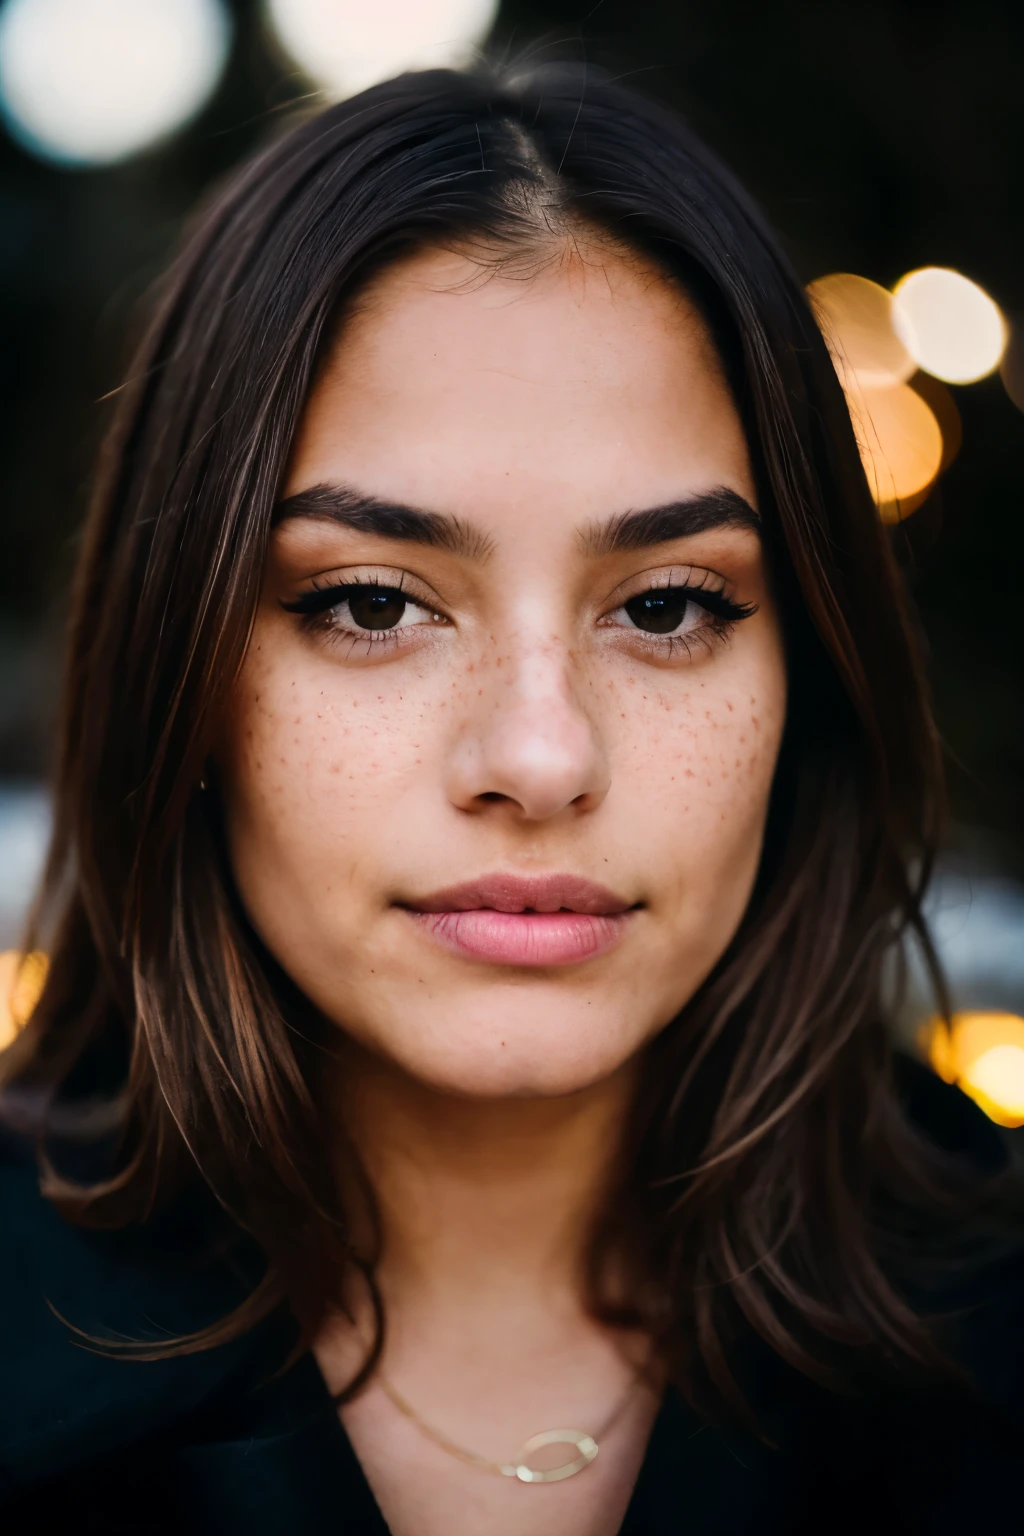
(520, 735)
(530, 728)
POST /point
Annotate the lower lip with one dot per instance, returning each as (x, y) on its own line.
(524, 938)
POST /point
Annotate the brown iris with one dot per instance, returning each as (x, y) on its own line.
(377, 607)
(659, 613)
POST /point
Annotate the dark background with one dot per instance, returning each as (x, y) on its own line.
(878, 137)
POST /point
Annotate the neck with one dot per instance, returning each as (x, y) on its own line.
(483, 1199)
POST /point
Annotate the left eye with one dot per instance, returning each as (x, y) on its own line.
(662, 612)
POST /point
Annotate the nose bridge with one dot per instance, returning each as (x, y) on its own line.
(541, 699)
(532, 739)
(539, 670)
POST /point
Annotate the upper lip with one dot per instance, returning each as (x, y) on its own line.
(520, 893)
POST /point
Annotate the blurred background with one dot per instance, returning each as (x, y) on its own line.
(886, 142)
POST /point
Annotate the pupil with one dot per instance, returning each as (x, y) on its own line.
(659, 613)
(376, 607)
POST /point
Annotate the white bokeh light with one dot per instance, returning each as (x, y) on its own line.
(949, 325)
(90, 82)
(346, 45)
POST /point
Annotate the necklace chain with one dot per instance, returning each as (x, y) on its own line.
(587, 1446)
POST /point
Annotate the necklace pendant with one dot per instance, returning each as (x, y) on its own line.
(586, 1449)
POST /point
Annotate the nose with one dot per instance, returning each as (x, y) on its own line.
(529, 742)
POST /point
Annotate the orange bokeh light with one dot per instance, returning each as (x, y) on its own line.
(899, 436)
(900, 445)
(856, 320)
(22, 978)
(983, 1053)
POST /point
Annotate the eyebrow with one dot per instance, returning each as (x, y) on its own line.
(386, 519)
(700, 513)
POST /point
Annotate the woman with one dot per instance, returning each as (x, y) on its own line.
(495, 775)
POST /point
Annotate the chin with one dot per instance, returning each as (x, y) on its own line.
(548, 1054)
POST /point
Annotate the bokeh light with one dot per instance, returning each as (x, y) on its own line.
(983, 1053)
(900, 445)
(90, 82)
(856, 320)
(346, 45)
(21, 981)
(899, 436)
(939, 400)
(949, 325)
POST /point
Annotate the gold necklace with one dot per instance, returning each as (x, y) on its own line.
(586, 1445)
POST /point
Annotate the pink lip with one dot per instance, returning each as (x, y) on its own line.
(521, 920)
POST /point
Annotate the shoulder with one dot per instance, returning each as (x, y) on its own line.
(64, 1403)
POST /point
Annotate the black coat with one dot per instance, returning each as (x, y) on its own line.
(216, 1442)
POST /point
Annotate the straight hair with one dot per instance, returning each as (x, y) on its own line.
(768, 1170)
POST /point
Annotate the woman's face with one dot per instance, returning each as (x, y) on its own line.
(498, 763)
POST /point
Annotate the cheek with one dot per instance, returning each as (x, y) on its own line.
(312, 768)
(697, 764)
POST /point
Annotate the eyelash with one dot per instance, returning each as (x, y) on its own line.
(314, 608)
(723, 614)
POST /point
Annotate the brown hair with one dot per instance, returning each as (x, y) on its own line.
(768, 1163)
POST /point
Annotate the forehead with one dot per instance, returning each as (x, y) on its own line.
(592, 383)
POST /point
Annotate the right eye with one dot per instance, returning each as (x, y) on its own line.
(377, 608)
(368, 610)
